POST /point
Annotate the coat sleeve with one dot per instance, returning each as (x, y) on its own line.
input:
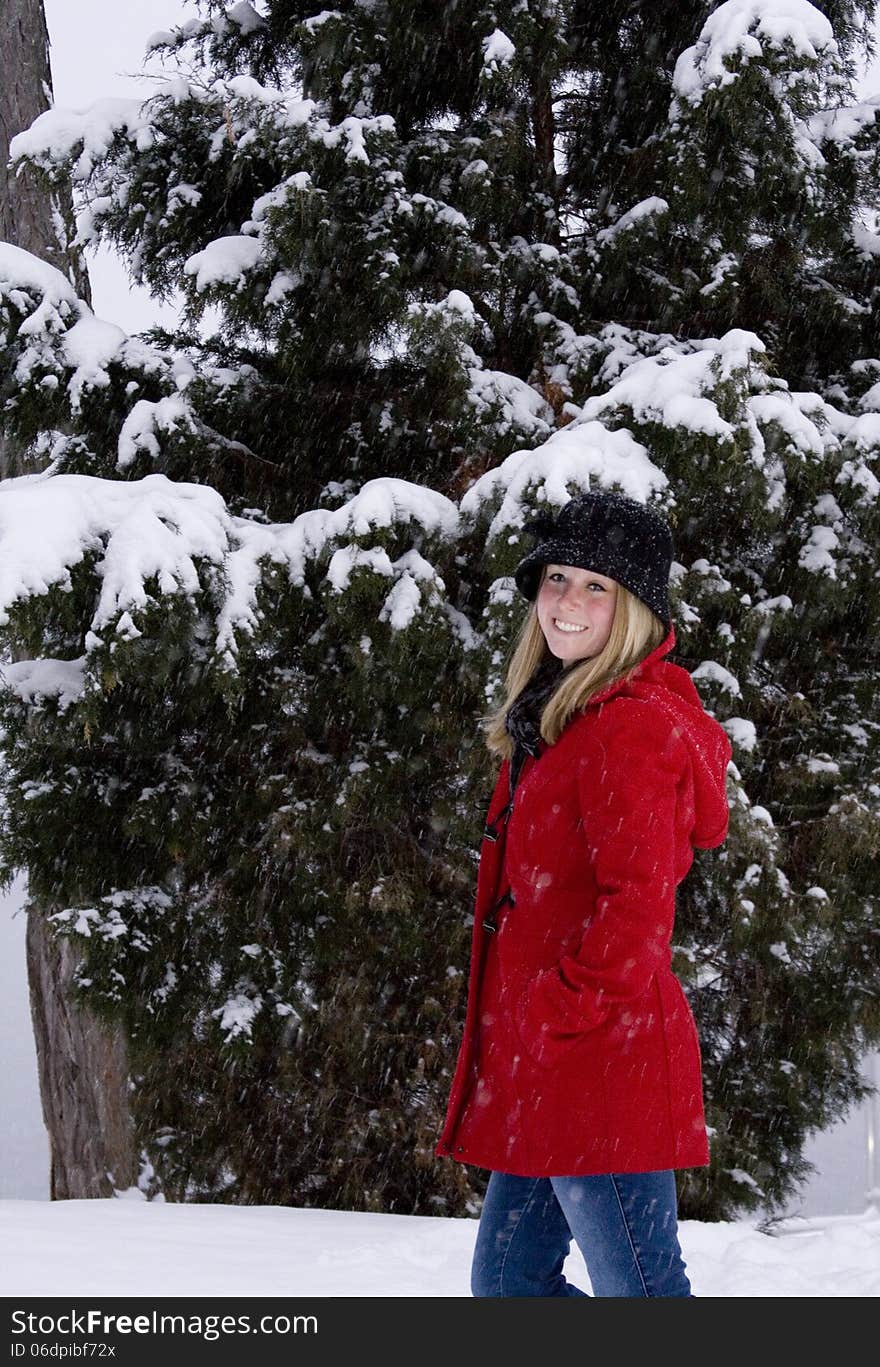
(627, 780)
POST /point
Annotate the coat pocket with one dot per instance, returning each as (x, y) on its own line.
(546, 1047)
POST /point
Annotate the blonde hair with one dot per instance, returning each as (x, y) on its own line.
(635, 632)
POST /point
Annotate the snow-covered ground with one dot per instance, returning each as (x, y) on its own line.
(122, 1247)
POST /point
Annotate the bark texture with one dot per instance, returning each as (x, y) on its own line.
(30, 216)
(83, 1070)
(83, 1066)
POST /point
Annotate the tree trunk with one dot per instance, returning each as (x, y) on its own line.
(83, 1066)
(31, 216)
(83, 1071)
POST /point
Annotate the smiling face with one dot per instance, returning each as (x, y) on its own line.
(575, 610)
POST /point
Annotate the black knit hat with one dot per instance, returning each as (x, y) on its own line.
(611, 535)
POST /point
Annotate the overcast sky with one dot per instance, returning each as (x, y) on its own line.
(98, 45)
(97, 49)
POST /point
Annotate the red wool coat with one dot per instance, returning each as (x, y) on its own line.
(580, 1054)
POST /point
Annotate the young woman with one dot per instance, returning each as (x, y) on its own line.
(579, 1079)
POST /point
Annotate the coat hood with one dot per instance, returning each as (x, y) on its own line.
(671, 688)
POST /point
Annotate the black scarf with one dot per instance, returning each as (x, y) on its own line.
(523, 720)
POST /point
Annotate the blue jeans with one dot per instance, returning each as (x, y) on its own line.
(625, 1225)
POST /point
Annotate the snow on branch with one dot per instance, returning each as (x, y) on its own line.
(78, 141)
(652, 207)
(226, 260)
(58, 134)
(742, 31)
(498, 51)
(673, 389)
(60, 340)
(147, 529)
(845, 123)
(88, 348)
(34, 680)
(316, 21)
(153, 536)
(27, 279)
(292, 110)
(517, 404)
(245, 17)
(58, 331)
(866, 242)
(580, 456)
(138, 431)
(241, 16)
(380, 505)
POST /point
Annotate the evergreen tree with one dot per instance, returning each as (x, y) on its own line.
(442, 266)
